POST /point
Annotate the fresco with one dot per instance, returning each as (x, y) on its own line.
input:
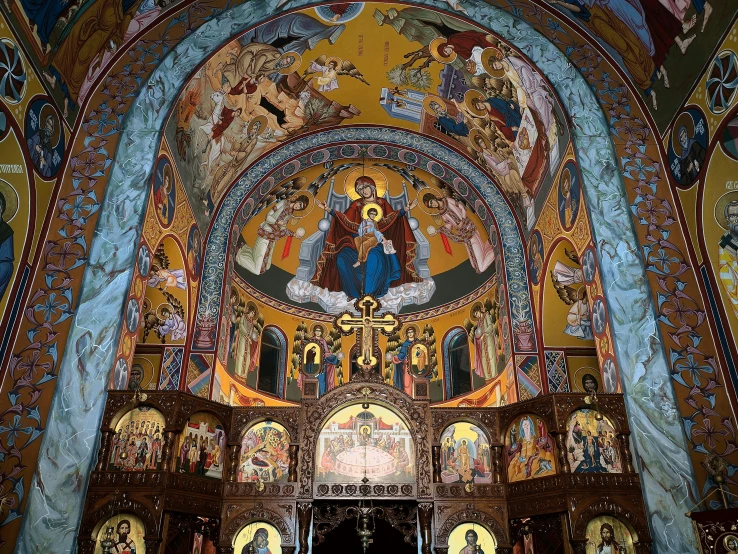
(465, 454)
(246, 325)
(122, 534)
(687, 146)
(587, 380)
(44, 138)
(265, 454)
(144, 372)
(569, 197)
(529, 449)
(373, 443)
(607, 532)
(200, 448)
(317, 354)
(591, 444)
(483, 327)
(470, 538)
(260, 537)
(137, 444)
(258, 91)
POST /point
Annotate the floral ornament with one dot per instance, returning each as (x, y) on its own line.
(610, 376)
(693, 368)
(722, 82)
(143, 261)
(599, 316)
(132, 315)
(589, 265)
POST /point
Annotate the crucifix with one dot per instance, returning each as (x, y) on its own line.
(367, 323)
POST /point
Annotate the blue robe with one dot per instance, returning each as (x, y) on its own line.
(452, 126)
(402, 355)
(44, 14)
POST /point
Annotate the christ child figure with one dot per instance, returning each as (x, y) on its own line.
(369, 235)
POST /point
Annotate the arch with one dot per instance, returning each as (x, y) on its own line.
(93, 520)
(230, 528)
(200, 446)
(271, 441)
(273, 352)
(452, 364)
(592, 444)
(530, 451)
(143, 425)
(465, 453)
(478, 517)
(633, 515)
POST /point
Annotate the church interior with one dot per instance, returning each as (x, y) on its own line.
(306, 277)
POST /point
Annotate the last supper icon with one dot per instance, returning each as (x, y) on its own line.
(374, 443)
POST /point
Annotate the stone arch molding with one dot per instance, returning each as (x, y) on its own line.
(637, 344)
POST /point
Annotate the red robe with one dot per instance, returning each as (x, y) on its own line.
(464, 41)
(538, 162)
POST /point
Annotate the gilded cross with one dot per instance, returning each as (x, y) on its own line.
(367, 323)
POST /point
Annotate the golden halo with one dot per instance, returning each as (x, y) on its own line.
(421, 204)
(489, 56)
(380, 181)
(160, 307)
(251, 305)
(365, 430)
(336, 59)
(370, 205)
(314, 326)
(261, 119)
(726, 539)
(11, 200)
(724, 200)
(472, 96)
(310, 205)
(48, 110)
(167, 171)
(477, 132)
(579, 375)
(408, 327)
(476, 306)
(435, 47)
(294, 66)
(684, 120)
(433, 98)
(565, 177)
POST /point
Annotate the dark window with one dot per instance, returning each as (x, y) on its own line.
(270, 360)
(459, 364)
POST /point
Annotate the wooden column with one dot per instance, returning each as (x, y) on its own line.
(626, 455)
(292, 471)
(104, 452)
(437, 464)
(563, 452)
(234, 451)
(425, 516)
(304, 518)
(166, 451)
(497, 463)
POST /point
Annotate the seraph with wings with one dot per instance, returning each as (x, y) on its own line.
(167, 321)
(331, 68)
(429, 338)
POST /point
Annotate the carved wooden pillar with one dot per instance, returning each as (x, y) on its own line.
(425, 515)
(627, 456)
(166, 451)
(86, 546)
(441, 549)
(304, 517)
(578, 546)
(292, 471)
(643, 547)
(288, 550)
(437, 464)
(503, 550)
(497, 463)
(225, 550)
(563, 452)
(152, 545)
(104, 452)
(234, 451)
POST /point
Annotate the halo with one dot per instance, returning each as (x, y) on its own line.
(469, 97)
(435, 47)
(47, 110)
(432, 98)
(476, 306)
(261, 119)
(315, 326)
(408, 327)
(295, 65)
(490, 55)
(579, 375)
(380, 181)
(310, 205)
(437, 193)
(725, 541)
(11, 200)
(253, 305)
(167, 169)
(160, 307)
(370, 205)
(566, 174)
(477, 132)
(684, 120)
(336, 59)
(725, 199)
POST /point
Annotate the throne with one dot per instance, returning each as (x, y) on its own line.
(300, 289)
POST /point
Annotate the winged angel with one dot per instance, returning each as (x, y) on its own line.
(161, 276)
(569, 285)
(167, 321)
(330, 69)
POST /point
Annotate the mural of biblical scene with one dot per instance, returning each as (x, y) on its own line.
(326, 237)
(165, 305)
(121, 534)
(44, 138)
(687, 147)
(608, 534)
(258, 537)
(411, 355)
(374, 443)
(567, 318)
(200, 448)
(465, 454)
(529, 449)
(470, 538)
(137, 444)
(265, 456)
(316, 354)
(494, 104)
(591, 444)
(484, 336)
(144, 373)
(569, 197)
(246, 326)
(657, 42)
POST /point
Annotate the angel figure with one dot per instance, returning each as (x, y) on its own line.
(168, 321)
(568, 283)
(161, 276)
(330, 69)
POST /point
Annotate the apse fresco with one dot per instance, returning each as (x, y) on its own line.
(374, 443)
(137, 444)
(465, 454)
(292, 75)
(265, 454)
(529, 449)
(123, 533)
(200, 448)
(471, 538)
(260, 537)
(607, 532)
(591, 443)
